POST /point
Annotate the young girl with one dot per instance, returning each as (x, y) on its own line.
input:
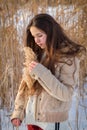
(50, 75)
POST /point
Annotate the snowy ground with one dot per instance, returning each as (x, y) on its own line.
(6, 124)
(75, 123)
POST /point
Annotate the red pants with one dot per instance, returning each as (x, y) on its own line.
(33, 127)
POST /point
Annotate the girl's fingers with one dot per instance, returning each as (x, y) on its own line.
(32, 65)
(16, 122)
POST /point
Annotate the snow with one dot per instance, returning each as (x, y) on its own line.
(79, 107)
(6, 123)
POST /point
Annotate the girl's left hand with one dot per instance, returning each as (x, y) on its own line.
(32, 65)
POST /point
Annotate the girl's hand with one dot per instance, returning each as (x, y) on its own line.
(32, 65)
(16, 122)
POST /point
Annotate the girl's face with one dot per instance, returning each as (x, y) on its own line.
(39, 36)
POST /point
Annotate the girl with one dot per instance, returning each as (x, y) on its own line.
(50, 75)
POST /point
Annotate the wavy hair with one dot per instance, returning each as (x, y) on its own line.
(58, 44)
(57, 41)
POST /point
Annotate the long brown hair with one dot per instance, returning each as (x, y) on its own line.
(57, 44)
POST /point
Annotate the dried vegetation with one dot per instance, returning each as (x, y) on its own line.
(14, 17)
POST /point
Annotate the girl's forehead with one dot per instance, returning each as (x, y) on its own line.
(34, 30)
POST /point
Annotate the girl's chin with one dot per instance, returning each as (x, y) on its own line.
(42, 47)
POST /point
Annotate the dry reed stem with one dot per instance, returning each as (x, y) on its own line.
(11, 56)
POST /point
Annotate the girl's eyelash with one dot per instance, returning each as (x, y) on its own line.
(39, 35)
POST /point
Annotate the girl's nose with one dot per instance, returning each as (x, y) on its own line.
(37, 40)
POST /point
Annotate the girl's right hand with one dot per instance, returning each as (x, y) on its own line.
(16, 122)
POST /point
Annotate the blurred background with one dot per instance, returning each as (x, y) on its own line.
(14, 18)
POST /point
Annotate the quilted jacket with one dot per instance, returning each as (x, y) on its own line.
(54, 101)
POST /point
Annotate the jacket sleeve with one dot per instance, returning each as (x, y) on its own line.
(20, 101)
(61, 90)
(25, 85)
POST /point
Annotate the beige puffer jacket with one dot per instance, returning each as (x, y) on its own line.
(53, 103)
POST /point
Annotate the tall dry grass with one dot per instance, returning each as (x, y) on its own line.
(14, 17)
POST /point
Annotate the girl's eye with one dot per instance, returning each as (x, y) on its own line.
(39, 35)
